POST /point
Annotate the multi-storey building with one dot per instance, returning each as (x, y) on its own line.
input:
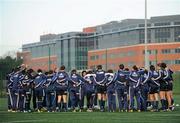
(71, 49)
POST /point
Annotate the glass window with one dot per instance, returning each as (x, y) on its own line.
(103, 56)
(166, 51)
(177, 61)
(177, 50)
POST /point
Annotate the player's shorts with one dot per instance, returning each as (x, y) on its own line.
(61, 91)
(170, 86)
(153, 90)
(101, 89)
(163, 86)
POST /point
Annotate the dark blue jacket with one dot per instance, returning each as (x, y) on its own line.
(16, 80)
(110, 83)
(135, 78)
(89, 83)
(167, 75)
(75, 81)
(121, 78)
(156, 76)
(9, 83)
(27, 82)
(49, 84)
(100, 78)
(61, 79)
(145, 79)
(39, 81)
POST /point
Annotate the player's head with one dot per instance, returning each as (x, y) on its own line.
(84, 73)
(23, 71)
(46, 73)
(29, 71)
(163, 65)
(16, 69)
(126, 69)
(99, 67)
(121, 66)
(73, 71)
(50, 72)
(135, 68)
(110, 71)
(62, 67)
(152, 68)
(39, 71)
(90, 72)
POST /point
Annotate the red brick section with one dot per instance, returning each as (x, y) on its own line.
(43, 63)
(89, 29)
(137, 57)
(38, 63)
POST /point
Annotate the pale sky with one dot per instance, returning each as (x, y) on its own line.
(23, 21)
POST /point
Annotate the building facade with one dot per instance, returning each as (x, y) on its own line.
(71, 49)
(134, 55)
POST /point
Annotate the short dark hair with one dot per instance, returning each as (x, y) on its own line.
(99, 67)
(30, 71)
(163, 65)
(50, 72)
(121, 66)
(152, 67)
(73, 71)
(46, 73)
(39, 71)
(126, 69)
(135, 67)
(110, 71)
(89, 72)
(62, 67)
(158, 64)
(83, 72)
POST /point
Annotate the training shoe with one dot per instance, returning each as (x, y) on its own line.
(39, 111)
(149, 107)
(89, 110)
(102, 110)
(138, 110)
(9, 110)
(96, 107)
(25, 111)
(168, 110)
(131, 110)
(121, 111)
(172, 108)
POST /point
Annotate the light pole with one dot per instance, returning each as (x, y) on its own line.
(145, 38)
(49, 61)
(106, 59)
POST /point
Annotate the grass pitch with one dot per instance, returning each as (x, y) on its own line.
(90, 117)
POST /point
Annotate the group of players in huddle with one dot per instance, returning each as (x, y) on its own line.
(58, 91)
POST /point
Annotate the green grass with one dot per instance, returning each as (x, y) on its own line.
(93, 117)
(176, 86)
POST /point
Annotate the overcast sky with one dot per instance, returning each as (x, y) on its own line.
(23, 21)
